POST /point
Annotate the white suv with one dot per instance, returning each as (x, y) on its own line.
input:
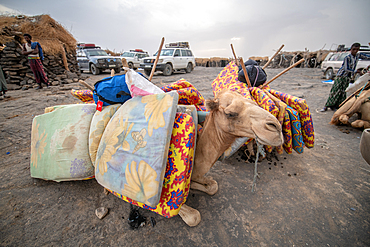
(171, 59)
(134, 57)
(334, 60)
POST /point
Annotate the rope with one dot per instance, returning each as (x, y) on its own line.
(361, 90)
(261, 151)
(256, 75)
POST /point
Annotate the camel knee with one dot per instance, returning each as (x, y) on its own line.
(205, 184)
(344, 119)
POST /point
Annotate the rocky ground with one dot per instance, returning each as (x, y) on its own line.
(318, 198)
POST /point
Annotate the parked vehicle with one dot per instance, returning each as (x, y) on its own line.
(95, 59)
(175, 57)
(134, 57)
(334, 60)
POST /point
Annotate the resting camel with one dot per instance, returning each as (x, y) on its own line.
(359, 105)
(231, 116)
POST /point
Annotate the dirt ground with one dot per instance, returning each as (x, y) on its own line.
(318, 198)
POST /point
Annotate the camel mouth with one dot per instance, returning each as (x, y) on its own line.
(277, 139)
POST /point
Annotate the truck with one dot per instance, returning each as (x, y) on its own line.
(94, 59)
(174, 57)
(134, 57)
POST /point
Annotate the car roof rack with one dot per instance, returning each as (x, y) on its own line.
(362, 48)
(138, 50)
(96, 47)
(87, 46)
(178, 45)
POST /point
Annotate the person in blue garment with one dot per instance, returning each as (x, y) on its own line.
(344, 76)
(3, 86)
(34, 53)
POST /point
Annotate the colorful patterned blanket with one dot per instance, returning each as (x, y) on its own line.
(292, 112)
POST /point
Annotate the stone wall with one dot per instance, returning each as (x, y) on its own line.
(212, 62)
(18, 73)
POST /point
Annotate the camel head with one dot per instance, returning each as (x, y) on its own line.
(235, 115)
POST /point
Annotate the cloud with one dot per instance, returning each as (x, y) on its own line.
(8, 11)
(254, 27)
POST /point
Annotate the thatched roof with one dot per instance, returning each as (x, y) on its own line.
(42, 28)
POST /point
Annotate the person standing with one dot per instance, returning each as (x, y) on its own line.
(33, 51)
(3, 87)
(344, 75)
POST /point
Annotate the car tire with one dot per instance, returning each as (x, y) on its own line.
(189, 68)
(329, 74)
(117, 70)
(94, 70)
(147, 72)
(131, 65)
(167, 70)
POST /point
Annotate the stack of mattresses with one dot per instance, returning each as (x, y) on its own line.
(176, 184)
(141, 151)
(59, 143)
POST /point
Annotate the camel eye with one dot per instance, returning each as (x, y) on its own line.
(232, 115)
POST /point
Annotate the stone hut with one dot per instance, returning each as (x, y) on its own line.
(59, 48)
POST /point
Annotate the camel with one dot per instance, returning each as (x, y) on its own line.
(359, 83)
(360, 105)
(365, 145)
(231, 116)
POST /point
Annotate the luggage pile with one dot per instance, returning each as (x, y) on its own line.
(143, 149)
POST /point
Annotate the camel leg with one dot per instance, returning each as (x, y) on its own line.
(200, 182)
(360, 124)
(344, 119)
(189, 215)
(250, 148)
(205, 184)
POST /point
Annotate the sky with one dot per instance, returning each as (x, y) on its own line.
(255, 28)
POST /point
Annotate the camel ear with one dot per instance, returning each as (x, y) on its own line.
(212, 104)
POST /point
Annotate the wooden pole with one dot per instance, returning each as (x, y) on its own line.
(156, 60)
(269, 61)
(236, 59)
(355, 93)
(245, 72)
(64, 57)
(284, 71)
(124, 62)
(86, 85)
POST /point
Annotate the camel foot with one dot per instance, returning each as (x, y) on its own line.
(189, 215)
(207, 185)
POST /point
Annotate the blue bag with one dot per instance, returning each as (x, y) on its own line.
(33, 46)
(111, 90)
(257, 76)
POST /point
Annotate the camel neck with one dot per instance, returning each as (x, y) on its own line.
(212, 143)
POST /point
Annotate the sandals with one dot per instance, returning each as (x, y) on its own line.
(324, 109)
